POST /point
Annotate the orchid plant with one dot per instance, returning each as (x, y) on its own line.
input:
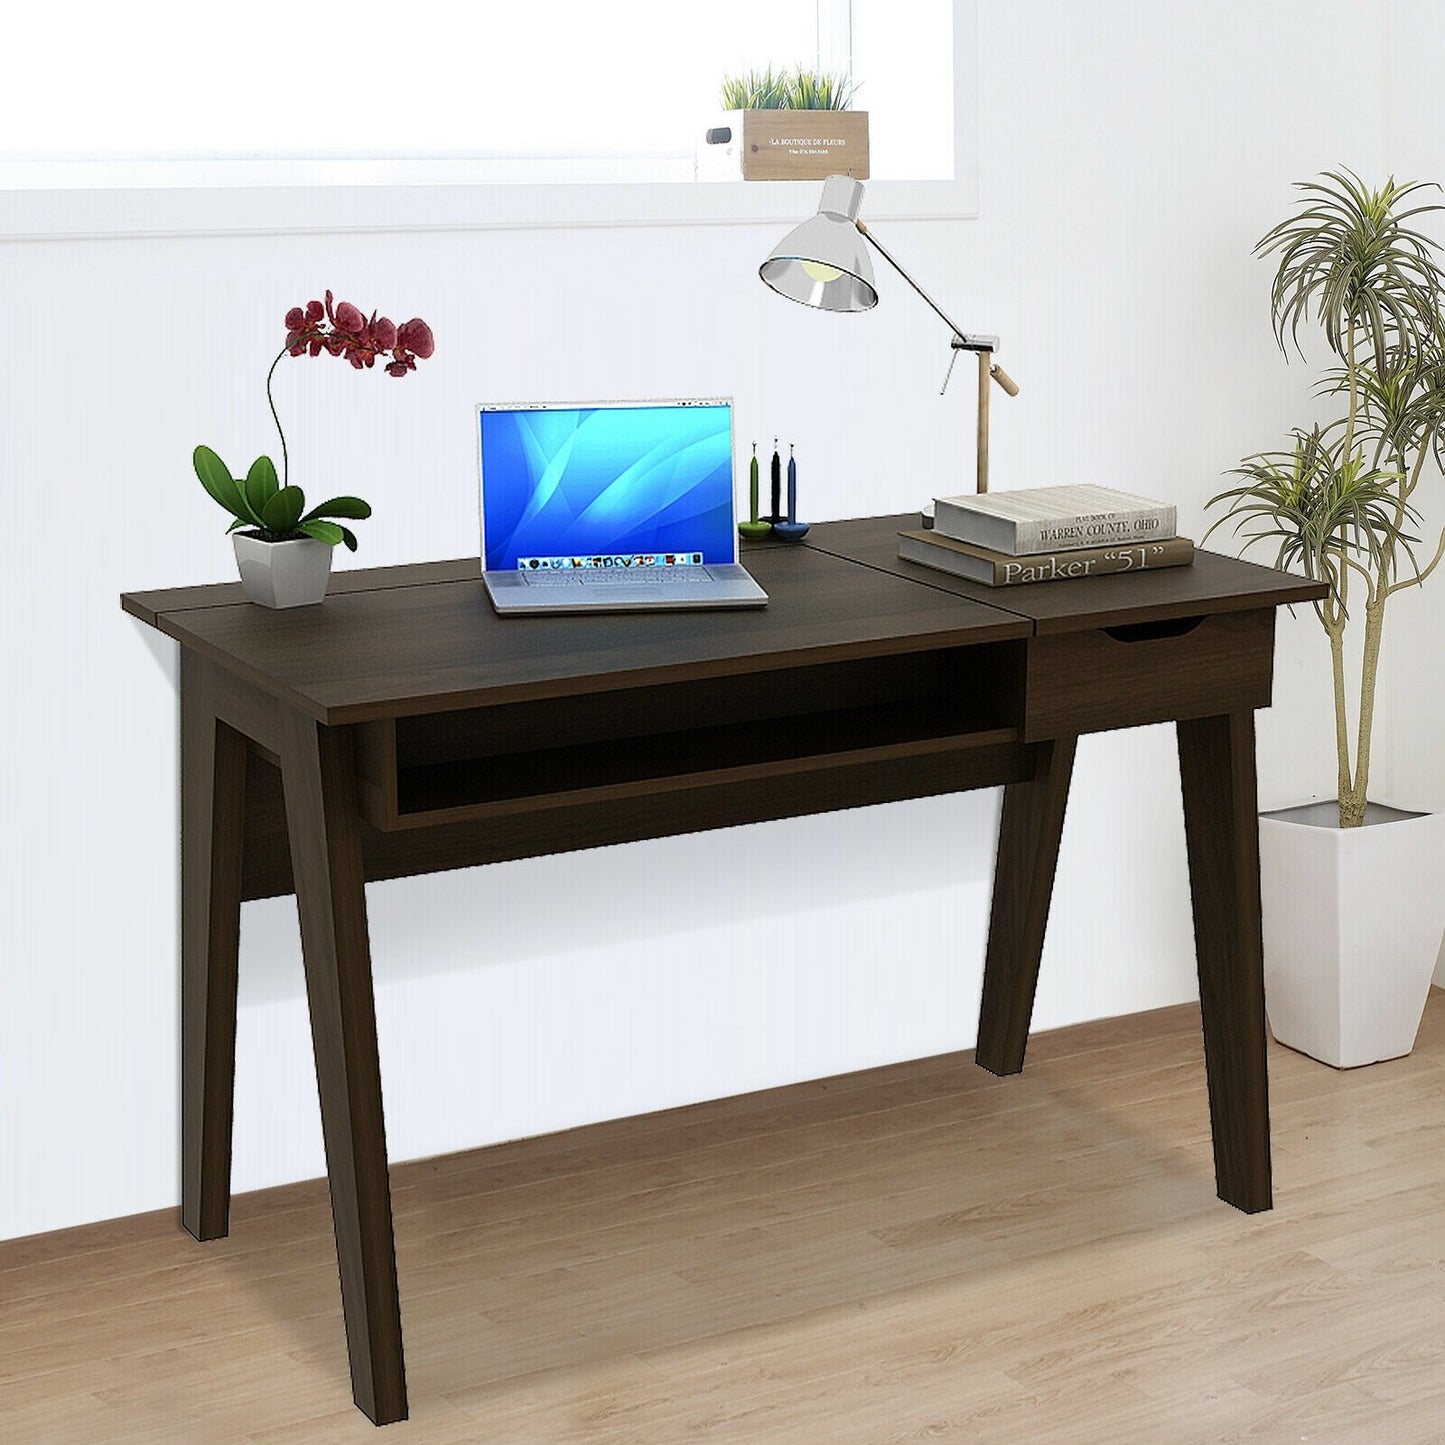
(270, 504)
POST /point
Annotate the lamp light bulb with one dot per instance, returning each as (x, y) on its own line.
(817, 271)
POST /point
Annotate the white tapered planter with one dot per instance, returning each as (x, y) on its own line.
(283, 574)
(1352, 923)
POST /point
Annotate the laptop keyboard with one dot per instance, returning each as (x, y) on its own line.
(613, 577)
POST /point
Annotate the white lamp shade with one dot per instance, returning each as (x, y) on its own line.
(825, 262)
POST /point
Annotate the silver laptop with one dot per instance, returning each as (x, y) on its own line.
(610, 507)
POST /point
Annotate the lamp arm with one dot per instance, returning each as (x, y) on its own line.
(962, 340)
(985, 346)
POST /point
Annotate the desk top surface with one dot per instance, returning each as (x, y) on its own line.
(1212, 584)
(398, 641)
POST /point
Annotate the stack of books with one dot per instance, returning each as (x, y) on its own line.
(1047, 534)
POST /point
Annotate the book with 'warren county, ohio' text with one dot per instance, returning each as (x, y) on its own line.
(1053, 519)
(998, 569)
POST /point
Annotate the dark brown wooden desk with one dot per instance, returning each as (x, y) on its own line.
(402, 728)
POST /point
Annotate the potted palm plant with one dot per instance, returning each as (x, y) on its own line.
(1353, 889)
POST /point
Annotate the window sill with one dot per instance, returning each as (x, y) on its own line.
(115, 213)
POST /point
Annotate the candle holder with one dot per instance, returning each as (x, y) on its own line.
(789, 528)
(755, 528)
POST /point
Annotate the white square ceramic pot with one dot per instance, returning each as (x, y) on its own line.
(1352, 921)
(283, 574)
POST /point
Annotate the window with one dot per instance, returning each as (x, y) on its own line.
(164, 95)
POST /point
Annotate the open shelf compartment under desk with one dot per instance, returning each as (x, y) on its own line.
(512, 758)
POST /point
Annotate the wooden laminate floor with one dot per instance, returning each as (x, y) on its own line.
(921, 1252)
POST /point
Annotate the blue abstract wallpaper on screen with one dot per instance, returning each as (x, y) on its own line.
(607, 479)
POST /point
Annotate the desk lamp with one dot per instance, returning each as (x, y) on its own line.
(824, 263)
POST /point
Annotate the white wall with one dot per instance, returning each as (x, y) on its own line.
(1413, 671)
(1131, 155)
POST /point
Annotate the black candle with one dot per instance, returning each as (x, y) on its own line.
(777, 511)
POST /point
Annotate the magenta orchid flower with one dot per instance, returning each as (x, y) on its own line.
(342, 329)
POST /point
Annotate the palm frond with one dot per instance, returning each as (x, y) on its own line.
(1349, 260)
(1319, 509)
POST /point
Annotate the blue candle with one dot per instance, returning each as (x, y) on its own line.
(792, 486)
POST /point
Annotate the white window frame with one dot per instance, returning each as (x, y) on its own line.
(358, 197)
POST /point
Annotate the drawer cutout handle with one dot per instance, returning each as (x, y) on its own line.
(1149, 631)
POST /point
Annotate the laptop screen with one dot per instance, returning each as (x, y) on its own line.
(578, 485)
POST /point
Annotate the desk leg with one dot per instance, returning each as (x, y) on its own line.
(1216, 768)
(213, 802)
(319, 775)
(1023, 884)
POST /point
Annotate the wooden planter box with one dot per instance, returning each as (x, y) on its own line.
(785, 145)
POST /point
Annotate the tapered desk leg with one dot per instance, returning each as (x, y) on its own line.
(1023, 884)
(213, 800)
(1216, 767)
(319, 776)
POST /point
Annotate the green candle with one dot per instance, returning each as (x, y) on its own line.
(753, 485)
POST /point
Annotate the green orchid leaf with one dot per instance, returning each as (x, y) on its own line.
(327, 532)
(349, 537)
(283, 511)
(216, 478)
(261, 484)
(351, 507)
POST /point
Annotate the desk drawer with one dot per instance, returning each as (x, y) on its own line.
(1118, 677)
